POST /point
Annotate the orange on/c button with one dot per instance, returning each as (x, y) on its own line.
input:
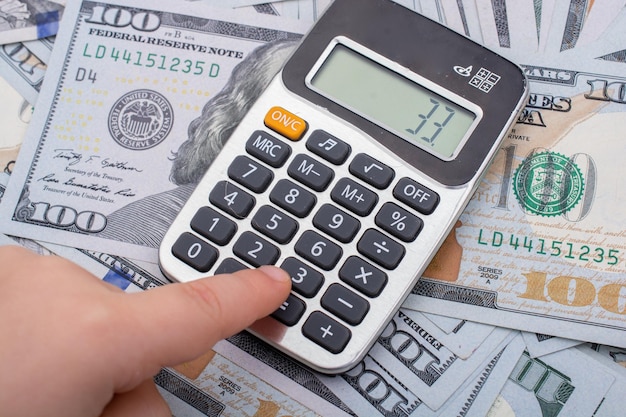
(285, 123)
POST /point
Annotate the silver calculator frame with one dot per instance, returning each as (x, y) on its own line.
(454, 191)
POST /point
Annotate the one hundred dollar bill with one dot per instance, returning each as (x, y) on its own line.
(306, 10)
(614, 401)
(509, 24)
(214, 386)
(479, 392)
(463, 339)
(542, 245)
(611, 46)
(409, 351)
(136, 102)
(462, 16)
(565, 383)
(24, 65)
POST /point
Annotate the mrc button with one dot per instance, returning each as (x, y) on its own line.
(286, 123)
(416, 196)
(268, 149)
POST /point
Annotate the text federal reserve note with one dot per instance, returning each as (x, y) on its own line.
(132, 110)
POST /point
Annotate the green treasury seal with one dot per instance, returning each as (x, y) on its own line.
(548, 183)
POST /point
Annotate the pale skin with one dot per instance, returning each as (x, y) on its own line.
(73, 345)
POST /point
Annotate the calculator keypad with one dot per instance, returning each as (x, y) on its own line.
(338, 252)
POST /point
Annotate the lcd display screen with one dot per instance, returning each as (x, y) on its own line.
(393, 101)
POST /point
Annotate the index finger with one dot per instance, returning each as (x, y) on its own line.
(179, 322)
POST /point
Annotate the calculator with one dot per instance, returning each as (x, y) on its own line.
(349, 172)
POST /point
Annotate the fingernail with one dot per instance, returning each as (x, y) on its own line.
(274, 272)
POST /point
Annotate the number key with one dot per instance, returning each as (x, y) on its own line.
(232, 199)
(304, 279)
(317, 249)
(293, 198)
(214, 226)
(255, 250)
(336, 223)
(274, 224)
(250, 174)
(195, 252)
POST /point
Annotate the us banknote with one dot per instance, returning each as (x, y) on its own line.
(462, 16)
(24, 20)
(541, 246)
(110, 155)
(480, 391)
(566, 383)
(214, 386)
(579, 21)
(408, 349)
(24, 65)
(611, 46)
(306, 10)
(601, 16)
(509, 24)
(614, 401)
(463, 339)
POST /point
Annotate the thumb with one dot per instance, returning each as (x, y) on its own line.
(179, 322)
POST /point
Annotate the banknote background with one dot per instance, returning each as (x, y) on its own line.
(521, 313)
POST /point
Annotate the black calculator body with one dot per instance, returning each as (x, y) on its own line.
(349, 172)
